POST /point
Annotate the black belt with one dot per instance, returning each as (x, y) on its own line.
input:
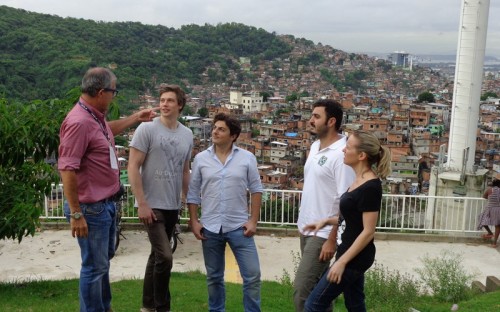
(118, 195)
(113, 198)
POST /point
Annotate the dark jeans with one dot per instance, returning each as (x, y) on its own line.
(156, 289)
(352, 285)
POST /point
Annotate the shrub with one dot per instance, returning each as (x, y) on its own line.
(389, 290)
(287, 279)
(446, 277)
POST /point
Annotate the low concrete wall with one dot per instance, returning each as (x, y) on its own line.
(293, 232)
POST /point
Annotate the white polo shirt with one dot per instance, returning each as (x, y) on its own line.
(326, 178)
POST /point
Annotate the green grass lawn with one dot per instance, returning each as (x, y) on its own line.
(189, 293)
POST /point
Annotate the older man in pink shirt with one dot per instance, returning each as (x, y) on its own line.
(90, 175)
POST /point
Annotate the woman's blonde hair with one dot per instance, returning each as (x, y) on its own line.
(379, 157)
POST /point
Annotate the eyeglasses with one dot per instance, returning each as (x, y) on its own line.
(115, 91)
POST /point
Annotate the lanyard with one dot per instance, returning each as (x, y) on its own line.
(103, 127)
(112, 155)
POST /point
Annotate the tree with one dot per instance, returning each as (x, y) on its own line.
(426, 97)
(29, 140)
(489, 94)
(212, 74)
(187, 111)
(29, 136)
(265, 95)
(121, 140)
(304, 94)
(60, 50)
(291, 98)
(299, 172)
(203, 112)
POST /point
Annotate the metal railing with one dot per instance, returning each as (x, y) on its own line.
(399, 213)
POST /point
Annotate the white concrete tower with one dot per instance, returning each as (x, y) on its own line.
(458, 177)
(467, 85)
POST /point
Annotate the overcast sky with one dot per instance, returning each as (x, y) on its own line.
(415, 26)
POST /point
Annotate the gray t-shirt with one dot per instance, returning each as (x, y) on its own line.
(166, 153)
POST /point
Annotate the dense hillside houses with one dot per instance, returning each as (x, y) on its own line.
(274, 103)
(273, 99)
(276, 132)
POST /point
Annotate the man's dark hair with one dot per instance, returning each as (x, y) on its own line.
(496, 182)
(181, 95)
(232, 123)
(332, 109)
(96, 79)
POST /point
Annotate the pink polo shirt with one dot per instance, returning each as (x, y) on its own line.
(85, 149)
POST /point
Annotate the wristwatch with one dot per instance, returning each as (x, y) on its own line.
(76, 215)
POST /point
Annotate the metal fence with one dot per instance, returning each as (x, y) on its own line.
(399, 213)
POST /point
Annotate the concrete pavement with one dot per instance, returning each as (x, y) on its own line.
(54, 254)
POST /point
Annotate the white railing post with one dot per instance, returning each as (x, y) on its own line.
(464, 218)
(430, 212)
(403, 213)
(282, 208)
(46, 205)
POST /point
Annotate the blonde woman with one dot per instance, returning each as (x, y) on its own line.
(359, 208)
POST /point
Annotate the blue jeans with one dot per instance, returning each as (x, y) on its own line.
(245, 252)
(96, 250)
(352, 285)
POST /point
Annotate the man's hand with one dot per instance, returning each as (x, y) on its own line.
(327, 251)
(146, 214)
(196, 228)
(79, 227)
(250, 228)
(147, 114)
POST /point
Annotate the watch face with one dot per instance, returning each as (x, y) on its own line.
(77, 215)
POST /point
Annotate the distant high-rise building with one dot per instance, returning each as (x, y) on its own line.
(399, 58)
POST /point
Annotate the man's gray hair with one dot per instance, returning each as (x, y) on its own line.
(96, 79)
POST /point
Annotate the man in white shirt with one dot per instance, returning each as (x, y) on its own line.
(326, 178)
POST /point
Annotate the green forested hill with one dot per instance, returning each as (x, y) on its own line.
(43, 56)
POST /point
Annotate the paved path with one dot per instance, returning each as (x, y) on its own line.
(55, 255)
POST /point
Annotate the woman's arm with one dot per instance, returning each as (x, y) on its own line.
(487, 193)
(365, 237)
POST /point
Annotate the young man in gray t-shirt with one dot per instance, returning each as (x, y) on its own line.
(158, 172)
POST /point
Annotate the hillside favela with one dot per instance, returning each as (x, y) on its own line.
(438, 115)
(270, 83)
(406, 104)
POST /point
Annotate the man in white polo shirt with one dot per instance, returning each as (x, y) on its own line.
(326, 178)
